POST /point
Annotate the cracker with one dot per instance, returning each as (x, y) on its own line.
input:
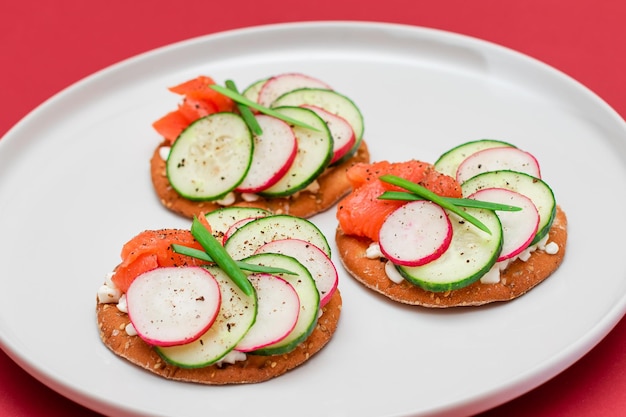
(333, 186)
(515, 281)
(254, 369)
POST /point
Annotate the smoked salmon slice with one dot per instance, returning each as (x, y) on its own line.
(152, 249)
(362, 213)
(199, 100)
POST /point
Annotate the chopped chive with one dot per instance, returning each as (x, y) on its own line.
(203, 256)
(238, 98)
(429, 195)
(461, 202)
(470, 202)
(246, 114)
(193, 252)
(219, 255)
(266, 269)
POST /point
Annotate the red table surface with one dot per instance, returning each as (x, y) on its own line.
(47, 46)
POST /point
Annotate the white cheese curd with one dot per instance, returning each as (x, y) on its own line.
(525, 255)
(373, 251)
(492, 276)
(227, 200)
(164, 152)
(108, 292)
(130, 330)
(314, 187)
(249, 197)
(122, 305)
(392, 273)
(107, 295)
(552, 248)
(232, 357)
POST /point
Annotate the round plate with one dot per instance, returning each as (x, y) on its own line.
(75, 186)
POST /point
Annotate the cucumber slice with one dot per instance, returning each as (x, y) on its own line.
(471, 254)
(251, 236)
(252, 91)
(237, 314)
(304, 284)
(222, 219)
(532, 187)
(315, 151)
(210, 157)
(332, 102)
(449, 162)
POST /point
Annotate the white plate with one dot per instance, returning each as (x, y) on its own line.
(74, 186)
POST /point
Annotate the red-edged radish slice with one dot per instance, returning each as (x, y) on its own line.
(173, 306)
(274, 152)
(277, 312)
(518, 227)
(495, 159)
(341, 131)
(235, 226)
(278, 85)
(415, 234)
(312, 258)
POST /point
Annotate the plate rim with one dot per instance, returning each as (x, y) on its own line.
(539, 375)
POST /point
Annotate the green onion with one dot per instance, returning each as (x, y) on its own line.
(219, 255)
(429, 195)
(193, 252)
(246, 114)
(460, 202)
(238, 98)
(203, 256)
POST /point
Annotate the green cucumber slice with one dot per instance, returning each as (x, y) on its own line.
(304, 284)
(449, 162)
(237, 314)
(534, 188)
(210, 157)
(471, 254)
(251, 92)
(222, 218)
(251, 236)
(315, 151)
(332, 102)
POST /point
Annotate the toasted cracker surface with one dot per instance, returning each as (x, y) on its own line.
(515, 281)
(333, 185)
(255, 368)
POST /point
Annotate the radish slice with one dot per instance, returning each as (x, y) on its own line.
(173, 306)
(415, 234)
(312, 258)
(341, 131)
(278, 85)
(495, 159)
(235, 226)
(518, 227)
(274, 152)
(277, 314)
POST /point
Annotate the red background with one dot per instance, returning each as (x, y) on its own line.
(46, 46)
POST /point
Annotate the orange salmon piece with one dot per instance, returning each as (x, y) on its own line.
(199, 88)
(152, 249)
(171, 125)
(362, 213)
(199, 100)
(193, 109)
